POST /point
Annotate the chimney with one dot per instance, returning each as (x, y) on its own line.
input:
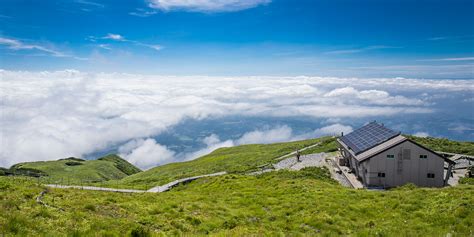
(342, 134)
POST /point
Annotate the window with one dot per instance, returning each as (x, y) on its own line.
(423, 156)
(390, 156)
(381, 175)
(431, 175)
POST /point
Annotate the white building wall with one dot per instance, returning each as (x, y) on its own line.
(401, 170)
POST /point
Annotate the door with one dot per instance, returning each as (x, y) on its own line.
(406, 174)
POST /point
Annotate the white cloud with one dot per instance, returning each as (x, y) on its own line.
(360, 50)
(146, 154)
(450, 59)
(278, 134)
(373, 96)
(334, 129)
(438, 38)
(213, 143)
(421, 134)
(206, 5)
(90, 3)
(51, 115)
(104, 46)
(155, 46)
(15, 44)
(329, 130)
(446, 71)
(116, 37)
(121, 38)
(140, 12)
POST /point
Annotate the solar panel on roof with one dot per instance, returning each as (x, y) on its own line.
(367, 137)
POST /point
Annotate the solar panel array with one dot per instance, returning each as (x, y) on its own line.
(367, 137)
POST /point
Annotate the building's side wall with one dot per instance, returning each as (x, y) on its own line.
(403, 169)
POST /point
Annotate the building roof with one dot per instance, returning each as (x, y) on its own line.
(381, 144)
(381, 147)
(367, 137)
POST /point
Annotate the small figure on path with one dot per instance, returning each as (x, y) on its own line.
(298, 156)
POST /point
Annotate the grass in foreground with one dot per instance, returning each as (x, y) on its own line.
(233, 160)
(277, 203)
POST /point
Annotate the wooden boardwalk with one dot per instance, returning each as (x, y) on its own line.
(95, 188)
(157, 189)
(168, 186)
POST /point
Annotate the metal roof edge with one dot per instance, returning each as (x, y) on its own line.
(386, 148)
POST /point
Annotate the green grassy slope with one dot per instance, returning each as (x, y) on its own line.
(446, 145)
(328, 144)
(74, 170)
(233, 160)
(291, 203)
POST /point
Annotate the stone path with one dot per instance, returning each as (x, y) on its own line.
(311, 160)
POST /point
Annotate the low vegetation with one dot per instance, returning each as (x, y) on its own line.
(328, 144)
(237, 159)
(75, 171)
(446, 145)
(303, 202)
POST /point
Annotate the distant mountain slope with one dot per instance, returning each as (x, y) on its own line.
(74, 170)
(232, 159)
(446, 145)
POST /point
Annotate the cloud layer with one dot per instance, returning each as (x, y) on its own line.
(50, 115)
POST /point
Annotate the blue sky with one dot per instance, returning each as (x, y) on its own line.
(418, 39)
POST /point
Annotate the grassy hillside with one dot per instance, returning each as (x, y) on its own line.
(233, 160)
(446, 145)
(278, 203)
(74, 170)
(328, 144)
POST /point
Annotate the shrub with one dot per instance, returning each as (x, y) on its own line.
(73, 159)
(3, 171)
(139, 231)
(72, 163)
(15, 224)
(18, 170)
(466, 180)
(90, 207)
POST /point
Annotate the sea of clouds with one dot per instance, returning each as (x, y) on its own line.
(51, 115)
